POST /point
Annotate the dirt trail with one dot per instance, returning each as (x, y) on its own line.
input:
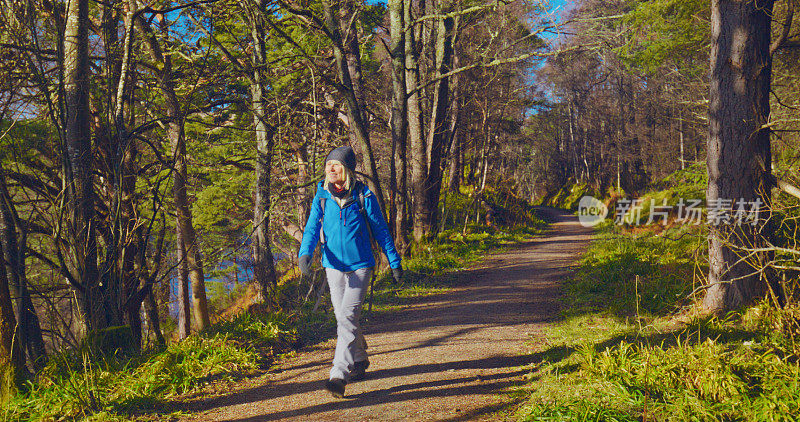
(446, 357)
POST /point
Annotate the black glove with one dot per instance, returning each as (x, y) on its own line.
(305, 264)
(397, 274)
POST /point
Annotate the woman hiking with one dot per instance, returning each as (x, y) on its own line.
(344, 215)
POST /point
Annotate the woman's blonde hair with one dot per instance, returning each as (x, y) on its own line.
(349, 176)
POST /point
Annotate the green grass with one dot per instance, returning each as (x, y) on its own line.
(646, 274)
(77, 387)
(630, 351)
(687, 185)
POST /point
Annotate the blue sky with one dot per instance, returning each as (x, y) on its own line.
(558, 8)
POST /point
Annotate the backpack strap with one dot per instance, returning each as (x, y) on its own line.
(322, 202)
(363, 211)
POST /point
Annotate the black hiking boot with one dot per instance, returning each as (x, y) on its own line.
(335, 386)
(359, 370)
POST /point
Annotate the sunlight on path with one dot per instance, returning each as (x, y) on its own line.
(446, 357)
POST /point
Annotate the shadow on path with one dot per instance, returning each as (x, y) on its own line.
(440, 357)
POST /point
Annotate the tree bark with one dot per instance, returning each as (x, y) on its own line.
(119, 272)
(111, 147)
(454, 153)
(194, 264)
(680, 135)
(184, 299)
(78, 164)
(622, 132)
(151, 309)
(12, 361)
(263, 261)
(416, 140)
(739, 156)
(399, 121)
(438, 125)
(147, 283)
(349, 27)
(454, 173)
(573, 144)
(30, 332)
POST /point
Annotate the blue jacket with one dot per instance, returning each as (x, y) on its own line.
(347, 244)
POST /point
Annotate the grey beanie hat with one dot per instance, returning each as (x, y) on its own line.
(344, 155)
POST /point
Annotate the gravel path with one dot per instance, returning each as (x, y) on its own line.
(445, 357)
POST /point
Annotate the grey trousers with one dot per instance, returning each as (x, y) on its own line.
(347, 293)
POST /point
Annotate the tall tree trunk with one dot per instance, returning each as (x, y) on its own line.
(416, 139)
(129, 248)
(352, 54)
(438, 130)
(12, 361)
(14, 243)
(485, 163)
(112, 148)
(585, 153)
(193, 261)
(151, 309)
(454, 153)
(263, 262)
(573, 144)
(163, 296)
(454, 173)
(190, 269)
(739, 156)
(622, 132)
(119, 271)
(147, 287)
(184, 298)
(680, 135)
(354, 111)
(78, 164)
(399, 120)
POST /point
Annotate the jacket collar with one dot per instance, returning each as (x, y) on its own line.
(343, 203)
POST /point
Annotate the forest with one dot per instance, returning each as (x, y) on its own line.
(158, 161)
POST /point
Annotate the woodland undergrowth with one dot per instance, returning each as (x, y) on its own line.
(632, 347)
